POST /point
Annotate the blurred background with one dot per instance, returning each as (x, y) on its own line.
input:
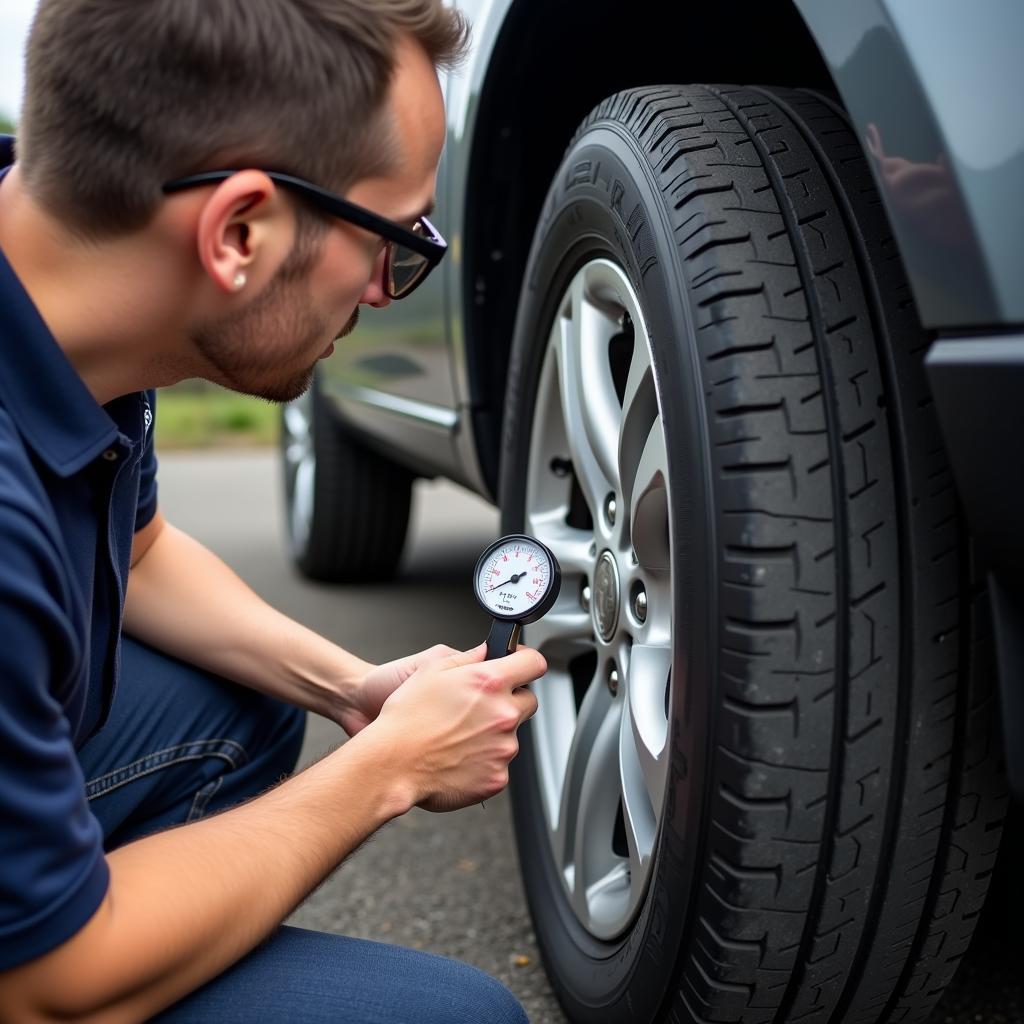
(15, 19)
(196, 415)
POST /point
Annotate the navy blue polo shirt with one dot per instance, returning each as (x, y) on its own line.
(76, 481)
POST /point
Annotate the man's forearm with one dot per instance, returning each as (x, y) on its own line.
(182, 599)
(185, 904)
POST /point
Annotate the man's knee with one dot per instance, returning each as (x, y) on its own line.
(498, 1003)
(471, 996)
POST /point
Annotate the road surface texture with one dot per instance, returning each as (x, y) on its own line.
(447, 883)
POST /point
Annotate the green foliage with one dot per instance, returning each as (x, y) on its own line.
(187, 418)
(7, 126)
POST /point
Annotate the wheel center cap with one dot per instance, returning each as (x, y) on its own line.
(606, 596)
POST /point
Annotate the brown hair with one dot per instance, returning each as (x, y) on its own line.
(123, 95)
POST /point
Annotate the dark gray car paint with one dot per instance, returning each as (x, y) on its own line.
(943, 83)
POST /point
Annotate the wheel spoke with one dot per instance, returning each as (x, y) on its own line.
(548, 491)
(597, 807)
(594, 330)
(639, 379)
(300, 470)
(294, 453)
(643, 748)
(592, 713)
(606, 896)
(593, 482)
(639, 412)
(296, 423)
(298, 440)
(552, 729)
(561, 630)
(570, 546)
(302, 500)
(648, 506)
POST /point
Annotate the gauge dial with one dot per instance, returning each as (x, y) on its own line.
(517, 578)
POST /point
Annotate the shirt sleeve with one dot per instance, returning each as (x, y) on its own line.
(53, 875)
(147, 478)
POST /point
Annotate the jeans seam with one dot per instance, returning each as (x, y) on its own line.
(203, 797)
(226, 749)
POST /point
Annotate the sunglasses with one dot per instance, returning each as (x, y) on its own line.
(409, 256)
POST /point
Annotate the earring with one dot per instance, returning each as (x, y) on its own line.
(239, 281)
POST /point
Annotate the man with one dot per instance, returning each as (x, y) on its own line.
(123, 271)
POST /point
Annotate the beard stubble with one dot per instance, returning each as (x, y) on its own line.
(246, 349)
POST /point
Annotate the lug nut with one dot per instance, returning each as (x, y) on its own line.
(613, 679)
(610, 509)
(585, 598)
(640, 605)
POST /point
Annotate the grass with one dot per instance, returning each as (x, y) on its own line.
(190, 418)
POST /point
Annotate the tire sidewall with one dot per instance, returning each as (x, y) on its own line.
(603, 202)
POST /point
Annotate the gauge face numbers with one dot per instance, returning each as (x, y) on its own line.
(513, 578)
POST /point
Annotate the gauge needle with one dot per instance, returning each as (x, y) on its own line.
(514, 578)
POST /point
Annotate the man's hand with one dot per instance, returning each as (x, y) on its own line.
(365, 702)
(452, 725)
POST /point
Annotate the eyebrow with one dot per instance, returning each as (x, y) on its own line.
(427, 210)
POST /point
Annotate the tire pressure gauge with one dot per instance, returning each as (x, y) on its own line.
(516, 581)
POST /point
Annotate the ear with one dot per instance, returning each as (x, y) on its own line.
(244, 232)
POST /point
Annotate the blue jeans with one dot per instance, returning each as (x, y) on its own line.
(180, 744)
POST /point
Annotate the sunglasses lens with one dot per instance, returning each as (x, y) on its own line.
(406, 268)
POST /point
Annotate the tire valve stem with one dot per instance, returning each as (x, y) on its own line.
(560, 467)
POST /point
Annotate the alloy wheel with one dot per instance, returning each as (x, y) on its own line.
(299, 468)
(597, 494)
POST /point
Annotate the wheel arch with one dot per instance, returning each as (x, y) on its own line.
(514, 153)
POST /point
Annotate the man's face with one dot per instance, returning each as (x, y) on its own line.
(271, 348)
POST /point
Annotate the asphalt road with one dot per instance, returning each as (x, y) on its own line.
(449, 883)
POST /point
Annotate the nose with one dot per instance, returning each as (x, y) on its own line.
(374, 294)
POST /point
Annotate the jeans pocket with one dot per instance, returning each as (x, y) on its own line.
(197, 750)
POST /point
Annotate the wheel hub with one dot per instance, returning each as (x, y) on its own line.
(605, 599)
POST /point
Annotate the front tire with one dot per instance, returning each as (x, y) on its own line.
(747, 796)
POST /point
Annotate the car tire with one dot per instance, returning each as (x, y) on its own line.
(763, 783)
(347, 507)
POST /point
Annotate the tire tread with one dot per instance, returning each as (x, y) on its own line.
(833, 854)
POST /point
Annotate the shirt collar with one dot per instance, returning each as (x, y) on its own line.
(44, 396)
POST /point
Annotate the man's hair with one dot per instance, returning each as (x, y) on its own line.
(124, 95)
